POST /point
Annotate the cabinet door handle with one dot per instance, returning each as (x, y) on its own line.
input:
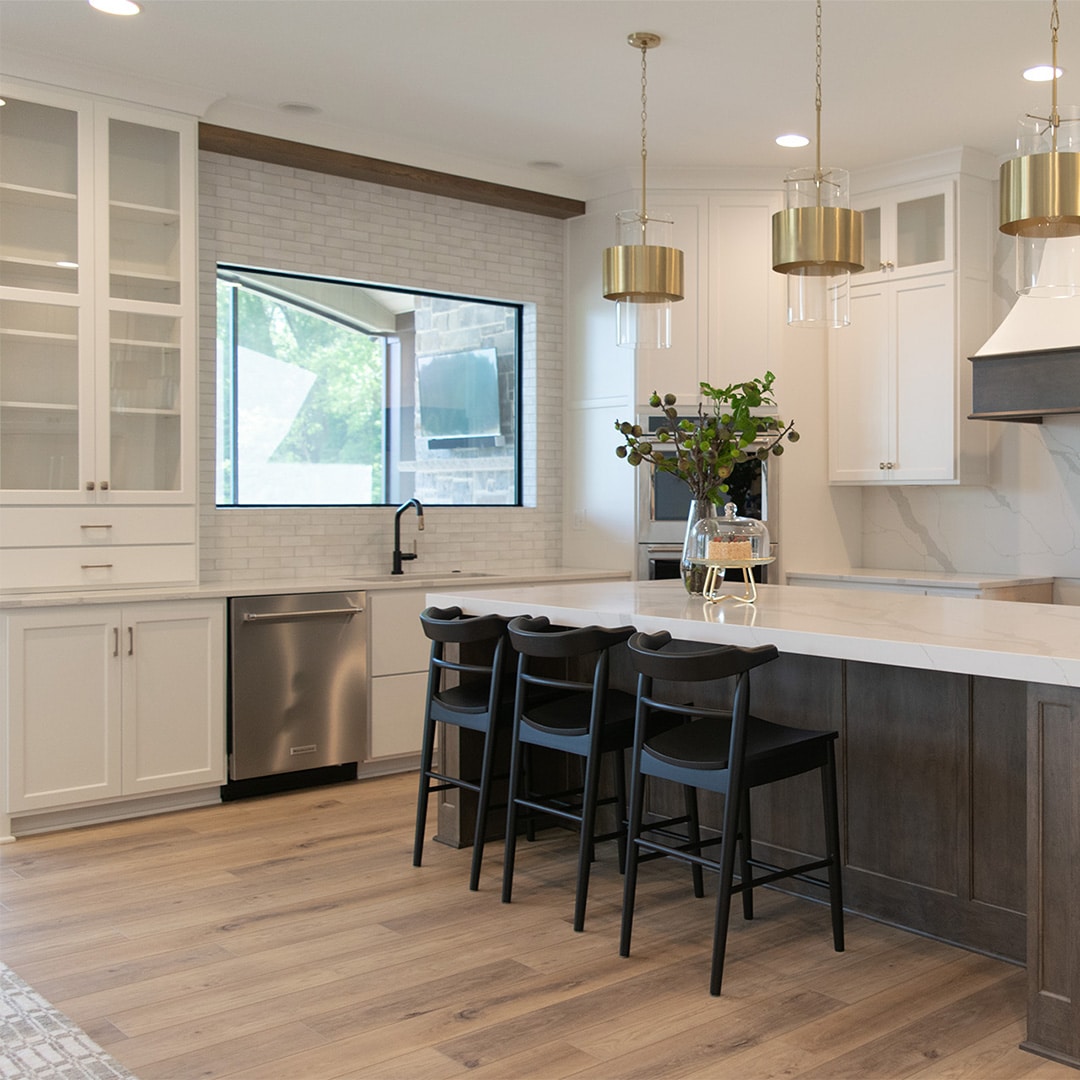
(116, 641)
(131, 641)
(90, 485)
(104, 485)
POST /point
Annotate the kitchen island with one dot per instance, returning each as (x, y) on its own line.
(959, 757)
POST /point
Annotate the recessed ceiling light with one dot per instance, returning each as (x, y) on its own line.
(792, 140)
(116, 7)
(300, 107)
(1042, 73)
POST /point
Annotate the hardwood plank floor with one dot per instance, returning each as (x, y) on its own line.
(290, 937)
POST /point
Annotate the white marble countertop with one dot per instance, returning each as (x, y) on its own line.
(917, 577)
(1008, 640)
(411, 579)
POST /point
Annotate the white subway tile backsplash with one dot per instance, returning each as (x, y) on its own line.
(281, 218)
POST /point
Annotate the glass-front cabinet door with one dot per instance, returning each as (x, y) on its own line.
(906, 232)
(145, 320)
(97, 330)
(46, 317)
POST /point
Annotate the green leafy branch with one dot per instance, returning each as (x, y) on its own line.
(703, 451)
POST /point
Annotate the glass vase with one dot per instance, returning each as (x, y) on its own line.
(693, 574)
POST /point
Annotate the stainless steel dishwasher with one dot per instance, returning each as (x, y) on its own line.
(298, 689)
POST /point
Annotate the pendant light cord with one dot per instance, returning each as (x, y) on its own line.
(1055, 117)
(817, 99)
(644, 118)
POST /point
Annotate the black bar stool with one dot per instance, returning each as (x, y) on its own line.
(481, 701)
(724, 751)
(578, 715)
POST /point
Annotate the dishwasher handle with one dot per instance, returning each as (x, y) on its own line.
(290, 616)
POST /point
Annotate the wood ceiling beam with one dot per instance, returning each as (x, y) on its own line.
(248, 144)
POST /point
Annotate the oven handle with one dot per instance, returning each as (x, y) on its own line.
(664, 549)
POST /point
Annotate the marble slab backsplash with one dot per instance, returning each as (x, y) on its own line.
(1026, 521)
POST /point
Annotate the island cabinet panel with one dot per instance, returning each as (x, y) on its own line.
(933, 779)
(932, 794)
(905, 774)
(1054, 872)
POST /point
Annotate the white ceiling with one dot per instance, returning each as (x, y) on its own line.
(486, 88)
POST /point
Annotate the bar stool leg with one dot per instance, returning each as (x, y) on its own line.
(832, 840)
(732, 803)
(693, 832)
(483, 798)
(637, 802)
(511, 817)
(588, 830)
(744, 860)
(427, 754)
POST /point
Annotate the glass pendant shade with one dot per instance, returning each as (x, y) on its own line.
(817, 243)
(1040, 204)
(643, 274)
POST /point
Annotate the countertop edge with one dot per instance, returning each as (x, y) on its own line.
(13, 601)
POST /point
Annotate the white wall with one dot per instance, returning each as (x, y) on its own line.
(288, 219)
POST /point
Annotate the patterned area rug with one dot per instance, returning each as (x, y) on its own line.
(37, 1042)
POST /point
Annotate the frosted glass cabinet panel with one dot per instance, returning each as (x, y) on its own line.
(907, 231)
(39, 196)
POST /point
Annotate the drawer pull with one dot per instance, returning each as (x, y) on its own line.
(101, 526)
(97, 565)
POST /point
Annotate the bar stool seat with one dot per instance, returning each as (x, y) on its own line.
(482, 701)
(727, 751)
(577, 714)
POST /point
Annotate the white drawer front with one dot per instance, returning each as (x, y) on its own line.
(398, 641)
(102, 526)
(38, 569)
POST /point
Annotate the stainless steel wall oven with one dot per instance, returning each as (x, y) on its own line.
(664, 503)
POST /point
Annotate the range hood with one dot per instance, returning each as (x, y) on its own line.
(1030, 366)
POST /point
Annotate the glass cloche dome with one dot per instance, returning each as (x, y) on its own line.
(727, 539)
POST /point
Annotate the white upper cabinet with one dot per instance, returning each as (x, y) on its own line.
(892, 389)
(98, 340)
(899, 378)
(907, 232)
(97, 301)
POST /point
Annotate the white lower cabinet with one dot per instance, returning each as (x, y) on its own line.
(400, 653)
(113, 700)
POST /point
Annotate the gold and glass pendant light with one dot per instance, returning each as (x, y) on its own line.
(1040, 194)
(817, 239)
(643, 273)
